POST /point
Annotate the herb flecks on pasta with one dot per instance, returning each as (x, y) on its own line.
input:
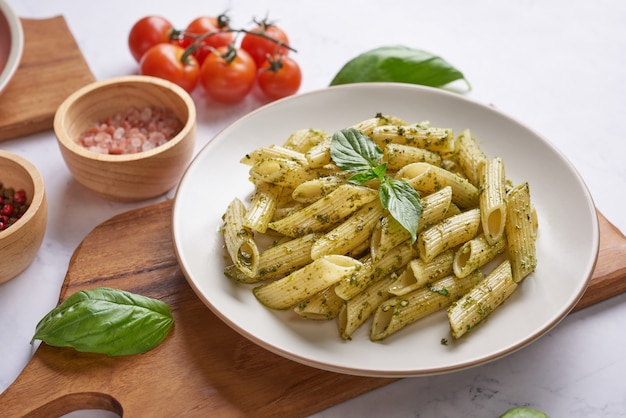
(382, 222)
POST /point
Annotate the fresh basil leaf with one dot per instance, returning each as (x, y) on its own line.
(403, 203)
(399, 64)
(371, 174)
(106, 321)
(353, 151)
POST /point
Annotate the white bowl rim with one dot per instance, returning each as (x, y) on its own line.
(17, 45)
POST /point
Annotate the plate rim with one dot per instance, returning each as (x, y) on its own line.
(369, 372)
(17, 45)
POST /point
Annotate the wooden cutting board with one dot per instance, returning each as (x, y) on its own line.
(203, 368)
(52, 67)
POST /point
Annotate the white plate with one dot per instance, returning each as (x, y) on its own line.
(567, 245)
(11, 44)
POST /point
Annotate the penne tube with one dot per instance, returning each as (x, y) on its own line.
(420, 135)
(521, 227)
(481, 300)
(262, 206)
(303, 140)
(278, 260)
(351, 233)
(428, 178)
(239, 239)
(284, 172)
(368, 126)
(323, 305)
(389, 232)
(325, 213)
(313, 190)
(469, 157)
(397, 312)
(419, 273)
(491, 201)
(319, 154)
(448, 233)
(475, 253)
(399, 155)
(358, 310)
(272, 151)
(307, 281)
(394, 261)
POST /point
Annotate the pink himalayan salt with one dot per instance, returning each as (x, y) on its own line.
(133, 130)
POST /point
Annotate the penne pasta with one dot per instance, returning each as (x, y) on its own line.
(419, 273)
(307, 281)
(397, 312)
(323, 305)
(337, 253)
(302, 140)
(521, 227)
(313, 190)
(428, 178)
(420, 135)
(284, 172)
(481, 300)
(469, 157)
(399, 155)
(262, 206)
(239, 239)
(475, 253)
(491, 201)
(325, 213)
(448, 233)
(272, 151)
(394, 261)
(368, 126)
(389, 233)
(357, 310)
(278, 260)
(351, 233)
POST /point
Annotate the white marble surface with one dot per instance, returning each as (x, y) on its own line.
(558, 66)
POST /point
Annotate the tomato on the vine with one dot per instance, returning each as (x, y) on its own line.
(168, 61)
(265, 39)
(219, 30)
(147, 32)
(279, 76)
(228, 74)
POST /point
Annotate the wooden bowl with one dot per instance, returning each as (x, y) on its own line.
(125, 177)
(20, 242)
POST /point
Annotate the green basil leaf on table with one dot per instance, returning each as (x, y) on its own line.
(353, 151)
(106, 321)
(399, 64)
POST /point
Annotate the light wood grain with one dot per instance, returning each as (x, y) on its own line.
(52, 67)
(203, 368)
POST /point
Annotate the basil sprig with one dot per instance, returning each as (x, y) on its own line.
(355, 152)
(106, 321)
(399, 64)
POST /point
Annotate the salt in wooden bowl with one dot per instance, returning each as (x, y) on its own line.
(133, 176)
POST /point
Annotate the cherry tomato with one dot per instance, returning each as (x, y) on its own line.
(228, 74)
(218, 26)
(279, 76)
(167, 61)
(260, 46)
(147, 32)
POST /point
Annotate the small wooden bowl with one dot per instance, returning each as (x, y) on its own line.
(126, 177)
(20, 242)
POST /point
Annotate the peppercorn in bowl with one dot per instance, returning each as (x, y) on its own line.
(23, 214)
(127, 138)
